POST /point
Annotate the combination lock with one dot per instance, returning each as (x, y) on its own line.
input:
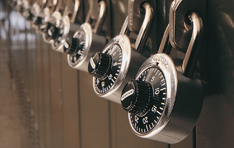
(86, 41)
(21, 6)
(164, 100)
(67, 26)
(60, 26)
(40, 21)
(119, 61)
(52, 27)
(65, 29)
(32, 13)
(38, 13)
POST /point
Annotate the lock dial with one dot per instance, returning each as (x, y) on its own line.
(83, 44)
(145, 99)
(51, 29)
(112, 69)
(105, 67)
(63, 31)
(78, 46)
(161, 103)
(154, 89)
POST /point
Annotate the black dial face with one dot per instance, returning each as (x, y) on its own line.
(81, 36)
(144, 124)
(102, 86)
(59, 36)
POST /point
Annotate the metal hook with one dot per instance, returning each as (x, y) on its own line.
(72, 13)
(144, 30)
(100, 18)
(194, 46)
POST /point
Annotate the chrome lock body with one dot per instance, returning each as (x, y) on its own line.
(87, 40)
(119, 61)
(165, 98)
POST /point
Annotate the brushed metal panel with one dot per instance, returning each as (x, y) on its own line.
(186, 143)
(46, 94)
(70, 105)
(40, 100)
(56, 100)
(215, 125)
(119, 10)
(94, 115)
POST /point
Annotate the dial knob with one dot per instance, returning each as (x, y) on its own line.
(52, 32)
(71, 45)
(29, 16)
(136, 97)
(100, 65)
(38, 21)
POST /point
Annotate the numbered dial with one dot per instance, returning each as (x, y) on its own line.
(59, 34)
(104, 83)
(77, 47)
(152, 108)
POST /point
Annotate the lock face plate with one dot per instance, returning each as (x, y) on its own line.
(159, 70)
(143, 124)
(53, 21)
(64, 28)
(85, 36)
(119, 48)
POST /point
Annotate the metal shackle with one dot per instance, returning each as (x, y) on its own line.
(100, 19)
(71, 9)
(194, 46)
(145, 27)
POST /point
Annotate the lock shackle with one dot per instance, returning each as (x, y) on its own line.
(145, 27)
(60, 6)
(194, 46)
(51, 4)
(165, 46)
(72, 13)
(100, 19)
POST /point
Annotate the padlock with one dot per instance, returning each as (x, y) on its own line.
(18, 5)
(36, 10)
(12, 3)
(42, 18)
(119, 61)
(86, 41)
(67, 26)
(51, 28)
(33, 11)
(165, 98)
(21, 6)
(56, 33)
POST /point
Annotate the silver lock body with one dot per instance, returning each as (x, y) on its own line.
(182, 104)
(93, 43)
(131, 61)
